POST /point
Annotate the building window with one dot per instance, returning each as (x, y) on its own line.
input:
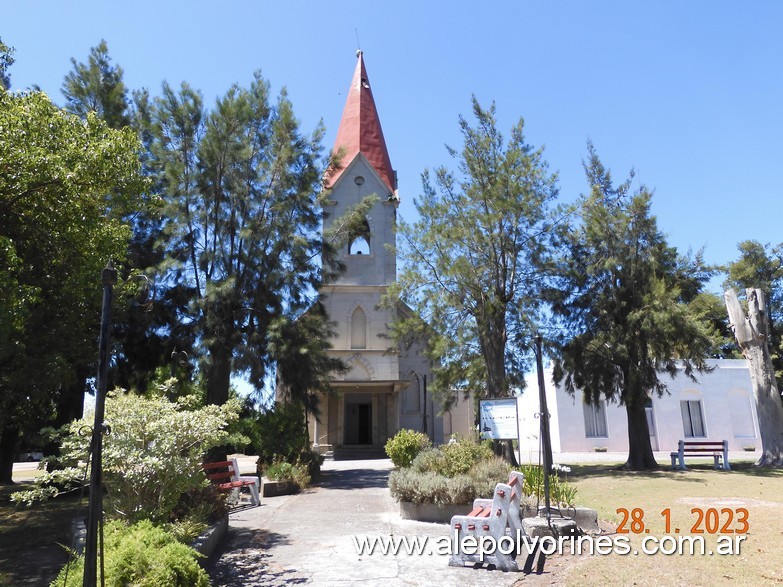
(359, 243)
(692, 420)
(358, 329)
(411, 397)
(741, 414)
(595, 420)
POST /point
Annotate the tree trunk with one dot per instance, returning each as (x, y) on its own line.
(218, 373)
(218, 386)
(493, 349)
(752, 333)
(9, 442)
(70, 403)
(640, 454)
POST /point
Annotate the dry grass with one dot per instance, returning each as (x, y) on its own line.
(606, 489)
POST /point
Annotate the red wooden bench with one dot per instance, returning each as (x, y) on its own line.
(225, 475)
(718, 450)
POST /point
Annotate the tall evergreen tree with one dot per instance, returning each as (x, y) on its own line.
(475, 259)
(97, 86)
(242, 216)
(621, 298)
(147, 336)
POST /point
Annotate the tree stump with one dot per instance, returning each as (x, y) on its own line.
(752, 333)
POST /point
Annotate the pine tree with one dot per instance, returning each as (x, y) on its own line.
(147, 336)
(97, 86)
(622, 299)
(475, 260)
(242, 211)
(6, 61)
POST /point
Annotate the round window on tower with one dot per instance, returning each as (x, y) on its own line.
(358, 180)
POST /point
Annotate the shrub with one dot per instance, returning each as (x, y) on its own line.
(418, 484)
(151, 457)
(462, 455)
(296, 473)
(407, 484)
(142, 555)
(313, 461)
(560, 492)
(404, 447)
(429, 460)
(277, 434)
(452, 459)
(206, 504)
(487, 474)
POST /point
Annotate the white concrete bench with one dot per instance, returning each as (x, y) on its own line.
(481, 507)
(483, 522)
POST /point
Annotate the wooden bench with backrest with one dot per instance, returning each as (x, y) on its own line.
(718, 450)
(225, 475)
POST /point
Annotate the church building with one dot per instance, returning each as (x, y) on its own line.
(382, 392)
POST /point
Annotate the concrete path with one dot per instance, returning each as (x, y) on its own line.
(309, 538)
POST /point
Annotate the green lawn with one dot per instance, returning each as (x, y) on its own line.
(759, 491)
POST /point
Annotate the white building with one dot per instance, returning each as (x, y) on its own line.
(718, 407)
(382, 392)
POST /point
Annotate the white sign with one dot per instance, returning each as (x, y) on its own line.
(498, 418)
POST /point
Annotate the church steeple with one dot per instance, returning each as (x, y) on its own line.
(360, 130)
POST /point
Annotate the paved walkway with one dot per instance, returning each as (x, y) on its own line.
(308, 538)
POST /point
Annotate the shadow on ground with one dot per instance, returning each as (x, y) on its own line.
(354, 479)
(615, 471)
(245, 560)
(31, 537)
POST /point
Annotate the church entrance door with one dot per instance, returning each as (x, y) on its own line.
(358, 422)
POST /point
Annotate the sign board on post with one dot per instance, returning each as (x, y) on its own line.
(498, 419)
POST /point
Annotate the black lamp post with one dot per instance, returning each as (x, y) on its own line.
(546, 441)
(95, 509)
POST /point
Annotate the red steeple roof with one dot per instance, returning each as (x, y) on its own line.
(360, 130)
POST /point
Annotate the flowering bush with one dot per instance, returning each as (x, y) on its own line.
(151, 454)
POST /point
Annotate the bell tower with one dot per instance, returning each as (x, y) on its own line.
(382, 391)
(365, 169)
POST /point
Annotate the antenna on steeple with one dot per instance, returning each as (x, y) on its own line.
(358, 46)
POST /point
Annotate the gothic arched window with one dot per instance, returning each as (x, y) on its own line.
(358, 329)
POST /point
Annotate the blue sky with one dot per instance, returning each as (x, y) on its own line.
(690, 94)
